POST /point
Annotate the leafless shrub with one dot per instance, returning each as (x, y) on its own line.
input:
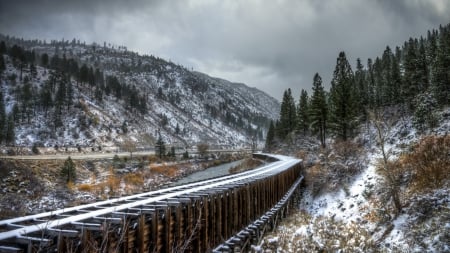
(429, 163)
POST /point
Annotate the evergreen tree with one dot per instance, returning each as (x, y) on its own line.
(270, 136)
(303, 112)
(186, 155)
(68, 170)
(370, 82)
(177, 129)
(3, 118)
(2, 64)
(10, 134)
(160, 147)
(69, 94)
(396, 82)
(287, 114)
(362, 90)
(45, 98)
(26, 97)
(83, 76)
(441, 68)
(172, 151)
(343, 99)
(412, 84)
(422, 66)
(44, 60)
(61, 96)
(3, 48)
(385, 89)
(425, 112)
(318, 109)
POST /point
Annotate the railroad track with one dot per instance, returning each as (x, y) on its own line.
(195, 217)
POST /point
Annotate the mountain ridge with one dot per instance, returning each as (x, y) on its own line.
(123, 96)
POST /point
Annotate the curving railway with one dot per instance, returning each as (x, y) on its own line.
(224, 214)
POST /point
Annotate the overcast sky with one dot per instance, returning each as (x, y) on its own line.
(271, 44)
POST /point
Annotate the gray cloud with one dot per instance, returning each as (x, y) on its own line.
(271, 45)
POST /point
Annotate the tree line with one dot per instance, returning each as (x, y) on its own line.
(414, 78)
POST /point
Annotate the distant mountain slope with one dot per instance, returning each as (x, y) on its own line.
(100, 96)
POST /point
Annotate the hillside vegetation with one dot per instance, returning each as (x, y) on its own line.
(376, 153)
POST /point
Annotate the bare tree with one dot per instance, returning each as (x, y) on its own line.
(129, 146)
(202, 149)
(389, 169)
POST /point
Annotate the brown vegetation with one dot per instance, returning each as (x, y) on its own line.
(168, 171)
(429, 163)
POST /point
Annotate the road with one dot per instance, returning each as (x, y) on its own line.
(77, 156)
(94, 156)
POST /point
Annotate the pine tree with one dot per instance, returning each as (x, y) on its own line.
(3, 118)
(287, 114)
(3, 48)
(370, 81)
(318, 109)
(413, 76)
(61, 96)
(422, 66)
(362, 90)
(84, 74)
(26, 98)
(69, 94)
(10, 134)
(45, 98)
(160, 148)
(425, 112)
(44, 60)
(68, 170)
(177, 129)
(303, 112)
(270, 136)
(441, 68)
(342, 99)
(2, 64)
(385, 89)
(396, 82)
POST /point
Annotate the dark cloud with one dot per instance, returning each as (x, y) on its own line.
(271, 45)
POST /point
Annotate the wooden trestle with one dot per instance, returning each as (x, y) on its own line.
(223, 219)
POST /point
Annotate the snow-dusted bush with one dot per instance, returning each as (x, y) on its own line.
(320, 234)
(425, 115)
(335, 168)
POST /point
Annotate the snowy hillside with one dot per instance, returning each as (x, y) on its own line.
(346, 205)
(132, 97)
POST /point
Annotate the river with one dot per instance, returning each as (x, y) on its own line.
(211, 172)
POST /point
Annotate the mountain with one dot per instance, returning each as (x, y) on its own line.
(69, 94)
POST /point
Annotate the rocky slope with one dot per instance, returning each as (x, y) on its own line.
(185, 107)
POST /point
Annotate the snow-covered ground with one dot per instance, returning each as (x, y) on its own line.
(353, 219)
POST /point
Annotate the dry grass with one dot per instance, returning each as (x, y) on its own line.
(429, 163)
(168, 171)
(153, 159)
(86, 187)
(70, 185)
(136, 179)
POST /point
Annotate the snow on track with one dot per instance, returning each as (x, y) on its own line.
(133, 201)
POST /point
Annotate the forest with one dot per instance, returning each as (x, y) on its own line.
(413, 78)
